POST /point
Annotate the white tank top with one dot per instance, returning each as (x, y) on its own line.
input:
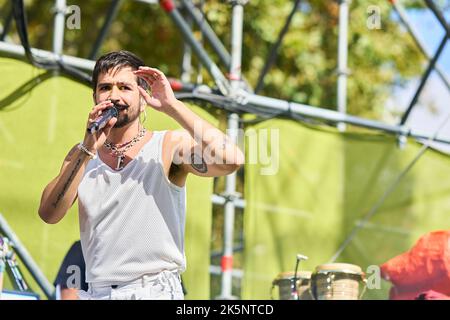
(131, 221)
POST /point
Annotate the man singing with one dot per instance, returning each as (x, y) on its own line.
(130, 183)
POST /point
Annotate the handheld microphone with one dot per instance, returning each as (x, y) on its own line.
(103, 119)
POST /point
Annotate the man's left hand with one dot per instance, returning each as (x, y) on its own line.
(162, 97)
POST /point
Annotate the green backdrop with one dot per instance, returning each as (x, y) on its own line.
(325, 184)
(41, 118)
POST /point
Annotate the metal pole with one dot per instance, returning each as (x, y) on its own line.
(58, 44)
(199, 78)
(342, 60)
(406, 22)
(236, 43)
(439, 16)
(59, 24)
(233, 126)
(274, 50)
(186, 66)
(212, 38)
(330, 115)
(257, 101)
(217, 270)
(208, 32)
(229, 214)
(7, 24)
(26, 258)
(221, 200)
(109, 18)
(271, 108)
(213, 69)
(424, 80)
(17, 51)
(148, 1)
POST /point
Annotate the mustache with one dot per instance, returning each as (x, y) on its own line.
(120, 107)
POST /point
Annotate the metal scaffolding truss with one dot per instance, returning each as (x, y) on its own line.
(232, 92)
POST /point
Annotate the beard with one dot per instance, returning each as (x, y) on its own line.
(125, 118)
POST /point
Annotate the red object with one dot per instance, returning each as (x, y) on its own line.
(167, 5)
(227, 263)
(425, 267)
(232, 76)
(175, 84)
(432, 295)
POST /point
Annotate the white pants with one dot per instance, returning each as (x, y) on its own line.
(162, 286)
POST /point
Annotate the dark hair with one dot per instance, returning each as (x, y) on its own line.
(117, 59)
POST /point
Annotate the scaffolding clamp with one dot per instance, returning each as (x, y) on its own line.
(402, 137)
(231, 196)
(238, 2)
(59, 9)
(343, 72)
(239, 96)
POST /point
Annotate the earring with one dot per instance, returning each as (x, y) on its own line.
(145, 117)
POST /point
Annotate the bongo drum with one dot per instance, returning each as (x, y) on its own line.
(337, 281)
(286, 289)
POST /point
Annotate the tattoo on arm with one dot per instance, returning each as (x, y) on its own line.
(70, 154)
(68, 182)
(198, 163)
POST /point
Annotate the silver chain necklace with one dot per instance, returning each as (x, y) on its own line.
(119, 150)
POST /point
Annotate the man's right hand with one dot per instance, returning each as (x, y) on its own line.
(94, 141)
(60, 194)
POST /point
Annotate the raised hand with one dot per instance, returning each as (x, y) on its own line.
(162, 96)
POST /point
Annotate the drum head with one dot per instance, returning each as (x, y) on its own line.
(337, 281)
(339, 268)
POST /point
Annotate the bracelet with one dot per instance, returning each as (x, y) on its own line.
(85, 150)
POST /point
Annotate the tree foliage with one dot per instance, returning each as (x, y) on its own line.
(305, 69)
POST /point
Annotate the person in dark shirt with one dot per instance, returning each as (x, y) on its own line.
(71, 275)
